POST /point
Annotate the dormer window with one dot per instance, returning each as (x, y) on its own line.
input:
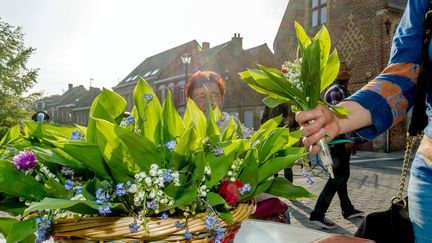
(319, 12)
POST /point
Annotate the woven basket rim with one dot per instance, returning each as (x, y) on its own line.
(116, 228)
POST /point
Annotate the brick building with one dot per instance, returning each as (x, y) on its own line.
(166, 70)
(360, 30)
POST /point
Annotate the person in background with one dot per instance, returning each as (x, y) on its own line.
(341, 153)
(41, 116)
(383, 103)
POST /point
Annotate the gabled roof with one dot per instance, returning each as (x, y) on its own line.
(152, 67)
(87, 98)
(71, 95)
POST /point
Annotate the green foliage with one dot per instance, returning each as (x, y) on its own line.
(319, 69)
(16, 77)
(117, 150)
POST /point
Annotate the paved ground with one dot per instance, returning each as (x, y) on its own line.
(373, 182)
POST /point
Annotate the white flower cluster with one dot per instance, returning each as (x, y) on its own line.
(148, 189)
(48, 173)
(235, 167)
(202, 191)
(292, 72)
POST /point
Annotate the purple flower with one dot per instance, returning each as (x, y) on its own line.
(78, 190)
(220, 234)
(211, 222)
(188, 235)
(134, 227)
(44, 228)
(25, 160)
(120, 190)
(310, 181)
(69, 184)
(178, 225)
(105, 209)
(164, 216)
(76, 135)
(148, 97)
(245, 188)
(68, 172)
(101, 196)
(167, 176)
(171, 145)
(151, 204)
(218, 151)
(129, 120)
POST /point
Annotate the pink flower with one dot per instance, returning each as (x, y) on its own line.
(230, 191)
(25, 160)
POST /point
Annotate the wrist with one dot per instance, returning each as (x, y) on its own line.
(358, 117)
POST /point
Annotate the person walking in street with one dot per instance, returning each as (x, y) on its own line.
(383, 103)
(341, 153)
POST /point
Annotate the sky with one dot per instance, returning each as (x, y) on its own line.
(104, 40)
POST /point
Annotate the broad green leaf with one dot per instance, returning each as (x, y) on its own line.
(57, 156)
(22, 231)
(331, 70)
(220, 165)
(263, 187)
(281, 187)
(272, 102)
(323, 37)
(264, 80)
(47, 130)
(227, 215)
(15, 183)
(108, 106)
(12, 206)
(214, 199)
(302, 37)
(12, 135)
(84, 207)
(266, 129)
(172, 123)
(343, 111)
(217, 113)
(199, 164)
(276, 140)
(87, 154)
(247, 78)
(187, 196)
(6, 225)
(124, 151)
(294, 137)
(55, 189)
(149, 113)
(276, 164)
(194, 117)
(229, 131)
(187, 143)
(311, 67)
(249, 173)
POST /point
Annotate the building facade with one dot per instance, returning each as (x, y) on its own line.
(361, 31)
(166, 71)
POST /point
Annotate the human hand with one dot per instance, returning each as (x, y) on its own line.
(316, 123)
(351, 148)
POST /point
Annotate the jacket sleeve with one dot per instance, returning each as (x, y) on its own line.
(390, 95)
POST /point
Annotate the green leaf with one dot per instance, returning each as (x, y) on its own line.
(55, 189)
(149, 114)
(266, 128)
(83, 207)
(272, 102)
(229, 132)
(12, 206)
(22, 231)
(226, 215)
(57, 156)
(187, 143)
(281, 187)
(124, 151)
(6, 225)
(276, 164)
(26, 186)
(331, 70)
(215, 199)
(323, 37)
(276, 140)
(47, 130)
(294, 137)
(249, 173)
(12, 135)
(108, 106)
(199, 165)
(172, 123)
(194, 117)
(87, 154)
(302, 37)
(264, 186)
(188, 195)
(343, 111)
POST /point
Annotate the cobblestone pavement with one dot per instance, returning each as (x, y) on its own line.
(373, 182)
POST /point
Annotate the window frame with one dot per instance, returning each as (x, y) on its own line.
(322, 5)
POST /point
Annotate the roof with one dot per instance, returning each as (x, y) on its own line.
(87, 98)
(152, 67)
(71, 95)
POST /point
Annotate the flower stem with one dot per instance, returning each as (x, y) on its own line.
(325, 156)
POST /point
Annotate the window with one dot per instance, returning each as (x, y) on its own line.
(248, 119)
(319, 12)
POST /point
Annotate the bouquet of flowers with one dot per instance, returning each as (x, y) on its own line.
(300, 82)
(148, 170)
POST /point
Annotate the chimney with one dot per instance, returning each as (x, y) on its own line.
(70, 86)
(205, 46)
(237, 40)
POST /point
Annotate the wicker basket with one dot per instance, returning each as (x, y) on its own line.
(115, 229)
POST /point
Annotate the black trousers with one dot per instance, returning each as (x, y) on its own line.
(341, 169)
